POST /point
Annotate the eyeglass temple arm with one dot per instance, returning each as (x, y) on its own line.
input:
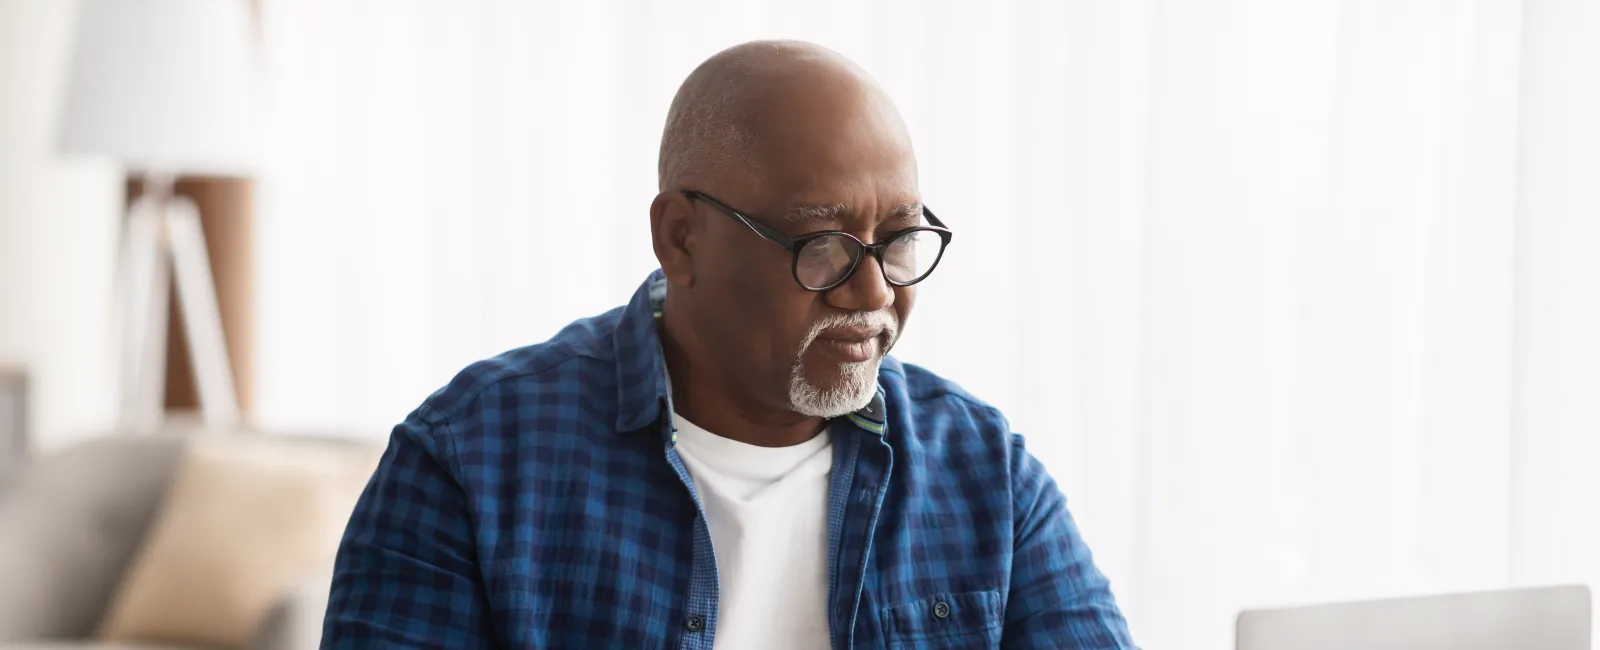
(759, 228)
(772, 235)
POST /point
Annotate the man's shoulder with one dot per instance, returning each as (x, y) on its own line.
(582, 356)
(943, 435)
(940, 406)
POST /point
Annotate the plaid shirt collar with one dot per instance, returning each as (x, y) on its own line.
(641, 366)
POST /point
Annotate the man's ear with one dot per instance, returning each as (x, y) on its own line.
(672, 233)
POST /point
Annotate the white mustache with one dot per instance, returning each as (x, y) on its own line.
(873, 319)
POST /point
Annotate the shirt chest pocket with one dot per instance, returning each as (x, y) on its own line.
(965, 620)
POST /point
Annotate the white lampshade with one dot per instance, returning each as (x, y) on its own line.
(164, 85)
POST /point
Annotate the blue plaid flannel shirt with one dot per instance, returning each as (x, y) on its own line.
(537, 501)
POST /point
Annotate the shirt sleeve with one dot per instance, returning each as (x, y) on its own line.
(405, 574)
(1058, 597)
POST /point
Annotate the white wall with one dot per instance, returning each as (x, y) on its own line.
(57, 232)
(1557, 412)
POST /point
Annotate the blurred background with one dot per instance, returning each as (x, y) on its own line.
(1299, 301)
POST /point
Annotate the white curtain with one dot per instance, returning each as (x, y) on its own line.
(1297, 299)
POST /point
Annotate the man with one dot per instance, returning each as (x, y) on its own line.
(731, 461)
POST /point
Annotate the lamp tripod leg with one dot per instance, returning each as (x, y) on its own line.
(202, 317)
(142, 318)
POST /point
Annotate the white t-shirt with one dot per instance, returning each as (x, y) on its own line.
(766, 508)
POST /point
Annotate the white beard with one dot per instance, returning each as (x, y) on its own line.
(858, 381)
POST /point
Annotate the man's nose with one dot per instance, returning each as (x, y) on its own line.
(866, 290)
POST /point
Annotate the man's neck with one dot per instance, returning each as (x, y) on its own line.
(707, 398)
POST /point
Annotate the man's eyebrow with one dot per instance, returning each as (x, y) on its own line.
(908, 211)
(825, 212)
(832, 212)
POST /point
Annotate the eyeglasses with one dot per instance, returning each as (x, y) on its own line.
(824, 260)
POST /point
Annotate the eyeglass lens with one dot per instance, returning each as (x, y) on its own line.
(824, 261)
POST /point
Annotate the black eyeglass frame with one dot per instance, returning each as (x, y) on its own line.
(794, 244)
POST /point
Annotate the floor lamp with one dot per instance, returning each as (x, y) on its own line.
(165, 88)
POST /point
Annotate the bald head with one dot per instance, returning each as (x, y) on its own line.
(756, 100)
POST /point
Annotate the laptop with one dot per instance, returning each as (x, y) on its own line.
(1542, 618)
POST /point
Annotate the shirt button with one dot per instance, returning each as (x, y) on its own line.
(941, 609)
(694, 624)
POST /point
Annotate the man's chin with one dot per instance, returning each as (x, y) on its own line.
(834, 389)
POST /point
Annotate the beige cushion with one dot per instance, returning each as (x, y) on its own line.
(246, 518)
